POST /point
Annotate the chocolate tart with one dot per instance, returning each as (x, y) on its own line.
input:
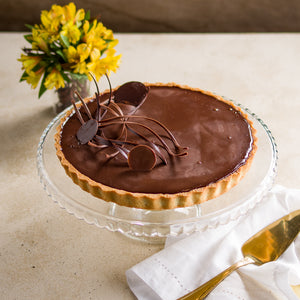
(215, 145)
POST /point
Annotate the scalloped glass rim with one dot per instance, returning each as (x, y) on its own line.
(153, 225)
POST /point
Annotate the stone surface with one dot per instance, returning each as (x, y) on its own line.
(45, 253)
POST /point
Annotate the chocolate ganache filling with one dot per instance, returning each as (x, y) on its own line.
(137, 148)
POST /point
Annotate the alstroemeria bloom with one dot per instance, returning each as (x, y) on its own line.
(33, 78)
(70, 14)
(72, 32)
(51, 20)
(78, 54)
(39, 40)
(80, 68)
(54, 80)
(29, 62)
(93, 35)
(100, 67)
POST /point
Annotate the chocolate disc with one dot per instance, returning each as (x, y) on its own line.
(141, 158)
(132, 93)
(87, 131)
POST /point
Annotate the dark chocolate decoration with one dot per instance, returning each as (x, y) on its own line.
(132, 93)
(87, 131)
(141, 158)
(110, 127)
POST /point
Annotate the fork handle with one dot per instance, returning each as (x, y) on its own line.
(202, 291)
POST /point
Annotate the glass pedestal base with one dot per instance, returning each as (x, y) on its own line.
(155, 226)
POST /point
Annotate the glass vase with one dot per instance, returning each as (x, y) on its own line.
(66, 94)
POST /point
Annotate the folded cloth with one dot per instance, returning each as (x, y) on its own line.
(187, 262)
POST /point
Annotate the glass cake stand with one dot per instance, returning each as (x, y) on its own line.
(155, 226)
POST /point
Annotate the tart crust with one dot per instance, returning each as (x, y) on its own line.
(156, 201)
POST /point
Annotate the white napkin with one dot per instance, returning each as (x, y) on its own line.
(188, 262)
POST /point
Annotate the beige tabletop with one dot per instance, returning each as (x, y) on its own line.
(46, 253)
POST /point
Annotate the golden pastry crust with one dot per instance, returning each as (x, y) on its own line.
(157, 201)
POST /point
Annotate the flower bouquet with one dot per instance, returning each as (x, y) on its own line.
(65, 48)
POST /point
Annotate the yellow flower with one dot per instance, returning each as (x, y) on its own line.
(70, 14)
(29, 62)
(111, 60)
(83, 51)
(71, 55)
(86, 26)
(95, 54)
(72, 32)
(39, 40)
(80, 68)
(54, 79)
(51, 20)
(80, 54)
(99, 67)
(94, 36)
(33, 78)
(77, 57)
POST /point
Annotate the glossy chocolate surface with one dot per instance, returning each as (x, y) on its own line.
(218, 138)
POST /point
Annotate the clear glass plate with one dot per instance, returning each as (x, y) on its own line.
(154, 226)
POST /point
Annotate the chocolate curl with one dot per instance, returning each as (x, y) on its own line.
(114, 143)
(97, 96)
(84, 105)
(154, 146)
(170, 152)
(122, 150)
(111, 121)
(98, 111)
(110, 90)
(77, 112)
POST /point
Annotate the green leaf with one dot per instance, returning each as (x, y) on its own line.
(64, 76)
(24, 76)
(65, 40)
(29, 26)
(61, 54)
(91, 25)
(36, 68)
(87, 15)
(39, 66)
(103, 51)
(28, 38)
(43, 89)
(54, 47)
